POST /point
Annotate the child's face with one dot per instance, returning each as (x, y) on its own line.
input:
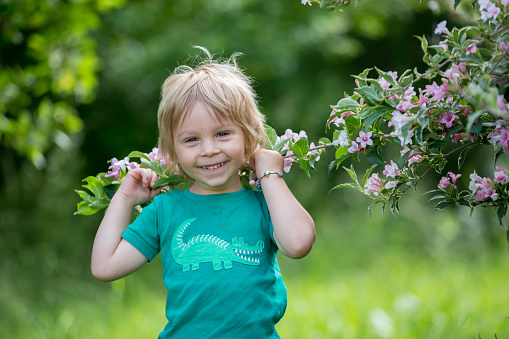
(210, 151)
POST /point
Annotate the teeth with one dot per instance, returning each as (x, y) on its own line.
(213, 167)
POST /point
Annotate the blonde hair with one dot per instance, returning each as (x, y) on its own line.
(223, 87)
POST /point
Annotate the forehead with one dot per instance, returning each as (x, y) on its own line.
(200, 116)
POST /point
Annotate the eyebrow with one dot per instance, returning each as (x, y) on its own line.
(218, 126)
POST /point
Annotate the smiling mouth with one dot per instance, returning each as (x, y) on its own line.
(213, 166)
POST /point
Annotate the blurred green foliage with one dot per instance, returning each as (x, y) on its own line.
(48, 66)
(96, 67)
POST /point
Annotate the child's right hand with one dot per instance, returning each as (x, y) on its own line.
(137, 185)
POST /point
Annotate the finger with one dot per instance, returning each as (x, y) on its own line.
(252, 161)
(155, 192)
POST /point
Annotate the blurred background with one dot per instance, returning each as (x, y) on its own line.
(80, 84)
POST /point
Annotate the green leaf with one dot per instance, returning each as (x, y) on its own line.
(438, 196)
(352, 174)
(278, 147)
(85, 209)
(352, 123)
(442, 205)
(304, 165)
(395, 206)
(463, 156)
(501, 211)
(171, 181)
(463, 202)
(271, 135)
(154, 167)
(348, 185)
(110, 190)
(324, 141)
(346, 104)
(406, 80)
(456, 3)
(341, 151)
(363, 76)
(478, 127)
(369, 94)
(300, 148)
(375, 157)
(375, 115)
(137, 154)
(424, 43)
(401, 161)
(471, 119)
(500, 151)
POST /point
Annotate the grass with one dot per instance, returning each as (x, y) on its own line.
(397, 296)
(382, 277)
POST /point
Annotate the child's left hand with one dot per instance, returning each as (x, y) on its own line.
(264, 160)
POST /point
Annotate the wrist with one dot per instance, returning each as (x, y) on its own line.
(121, 198)
(265, 175)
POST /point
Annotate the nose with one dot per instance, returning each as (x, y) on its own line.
(209, 148)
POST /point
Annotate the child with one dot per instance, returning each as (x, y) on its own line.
(218, 240)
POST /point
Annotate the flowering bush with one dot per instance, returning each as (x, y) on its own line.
(461, 106)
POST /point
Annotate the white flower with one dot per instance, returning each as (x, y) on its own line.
(342, 140)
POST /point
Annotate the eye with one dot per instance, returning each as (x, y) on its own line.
(188, 140)
(222, 134)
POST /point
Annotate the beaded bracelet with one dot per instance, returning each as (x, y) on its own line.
(266, 174)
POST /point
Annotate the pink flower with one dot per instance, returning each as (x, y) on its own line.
(290, 134)
(155, 155)
(354, 148)
(504, 138)
(471, 49)
(441, 29)
(504, 2)
(404, 105)
(287, 162)
(443, 44)
(391, 170)
(394, 75)
(444, 183)
(437, 92)
(456, 71)
(399, 120)
(504, 46)
(346, 114)
(500, 102)
(391, 184)
(500, 175)
(482, 188)
(422, 100)
(364, 139)
(133, 165)
(373, 185)
(447, 118)
(384, 83)
(305, 2)
(474, 180)
(117, 166)
(337, 121)
(455, 137)
(416, 158)
(488, 10)
(454, 177)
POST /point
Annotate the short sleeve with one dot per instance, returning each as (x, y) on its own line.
(143, 232)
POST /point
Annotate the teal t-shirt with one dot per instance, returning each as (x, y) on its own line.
(219, 263)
